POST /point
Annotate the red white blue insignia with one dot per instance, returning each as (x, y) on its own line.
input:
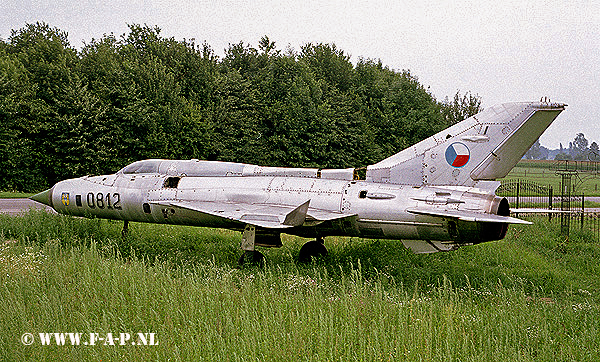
(457, 154)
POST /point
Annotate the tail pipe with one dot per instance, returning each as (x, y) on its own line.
(479, 232)
(496, 231)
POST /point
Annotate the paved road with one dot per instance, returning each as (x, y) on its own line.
(15, 207)
(542, 199)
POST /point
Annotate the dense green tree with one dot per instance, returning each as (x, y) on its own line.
(41, 58)
(580, 150)
(329, 64)
(534, 153)
(21, 115)
(563, 156)
(65, 113)
(461, 107)
(397, 107)
(594, 152)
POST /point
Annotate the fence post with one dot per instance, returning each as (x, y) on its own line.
(565, 203)
(550, 202)
(518, 189)
(582, 208)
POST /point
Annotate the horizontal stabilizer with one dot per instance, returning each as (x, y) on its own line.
(469, 216)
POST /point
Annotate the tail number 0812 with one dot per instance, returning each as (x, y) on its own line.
(101, 200)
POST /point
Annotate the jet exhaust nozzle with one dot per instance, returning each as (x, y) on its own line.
(44, 197)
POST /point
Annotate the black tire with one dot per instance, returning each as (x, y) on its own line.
(310, 250)
(251, 258)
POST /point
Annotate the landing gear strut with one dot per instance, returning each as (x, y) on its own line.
(250, 256)
(312, 249)
(125, 230)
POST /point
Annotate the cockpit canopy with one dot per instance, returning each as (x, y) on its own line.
(141, 167)
(184, 168)
(219, 168)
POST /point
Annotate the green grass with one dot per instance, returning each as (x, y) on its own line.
(14, 195)
(540, 172)
(530, 297)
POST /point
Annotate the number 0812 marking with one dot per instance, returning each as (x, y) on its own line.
(101, 200)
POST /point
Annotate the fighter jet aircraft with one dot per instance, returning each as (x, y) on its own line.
(435, 196)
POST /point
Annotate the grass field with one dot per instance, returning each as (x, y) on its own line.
(14, 195)
(530, 297)
(540, 171)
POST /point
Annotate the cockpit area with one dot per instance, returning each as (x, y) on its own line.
(184, 168)
(142, 167)
(181, 168)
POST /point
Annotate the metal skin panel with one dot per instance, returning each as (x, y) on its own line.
(431, 194)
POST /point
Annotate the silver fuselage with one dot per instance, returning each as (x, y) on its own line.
(380, 209)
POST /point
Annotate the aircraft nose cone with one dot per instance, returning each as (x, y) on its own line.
(44, 197)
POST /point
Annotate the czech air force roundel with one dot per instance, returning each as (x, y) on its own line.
(457, 154)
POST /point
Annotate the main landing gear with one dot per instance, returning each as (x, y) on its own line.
(309, 251)
(312, 249)
(250, 255)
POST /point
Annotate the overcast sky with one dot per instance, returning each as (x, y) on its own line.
(503, 51)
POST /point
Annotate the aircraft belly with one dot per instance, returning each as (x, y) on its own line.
(261, 201)
(380, 229)
(407, 227)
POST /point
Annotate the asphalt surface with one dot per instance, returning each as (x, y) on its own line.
(556, 199)
(14, 207)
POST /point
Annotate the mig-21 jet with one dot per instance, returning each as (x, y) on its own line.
(434, 196)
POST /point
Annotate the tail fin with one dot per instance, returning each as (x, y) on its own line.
(483, 147)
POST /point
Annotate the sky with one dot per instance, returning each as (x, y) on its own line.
(503, 51)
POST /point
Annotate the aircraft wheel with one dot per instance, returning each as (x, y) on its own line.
(251, 258)
(313, 248)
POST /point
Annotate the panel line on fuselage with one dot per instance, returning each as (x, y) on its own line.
(394, 222)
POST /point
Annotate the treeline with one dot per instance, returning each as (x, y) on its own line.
(66, 112)
(579, 150)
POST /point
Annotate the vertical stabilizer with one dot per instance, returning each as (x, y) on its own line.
(483, 147)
